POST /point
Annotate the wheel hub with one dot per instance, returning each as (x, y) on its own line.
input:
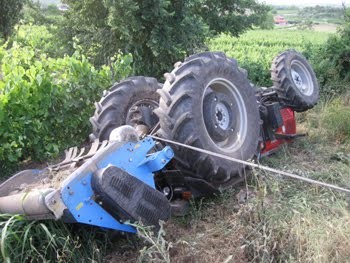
(141, 113)
(297, 80)
(301, 78)
(222, 116)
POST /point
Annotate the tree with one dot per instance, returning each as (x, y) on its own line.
(332, 61)
(267, 22)
(156, 32)
(10, 12)
(231, 16)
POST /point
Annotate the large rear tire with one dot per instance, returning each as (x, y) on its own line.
(295, 81)
(207, 102)
(129, 102)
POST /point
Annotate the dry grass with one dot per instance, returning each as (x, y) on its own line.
(271, 219)
(282, 220)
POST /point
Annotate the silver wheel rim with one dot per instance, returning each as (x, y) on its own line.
(236, 139)
(222, 115)
(302, 78)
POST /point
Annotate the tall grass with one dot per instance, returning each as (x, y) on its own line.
(330, 120)
(49, 241)
(291, 221)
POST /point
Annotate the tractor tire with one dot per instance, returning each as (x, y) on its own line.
(129, 102)
(295, 81)
(207, 102)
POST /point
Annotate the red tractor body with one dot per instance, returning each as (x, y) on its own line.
(284, 134)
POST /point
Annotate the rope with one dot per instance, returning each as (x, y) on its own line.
(262, 167)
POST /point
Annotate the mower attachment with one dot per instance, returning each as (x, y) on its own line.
(113, 186)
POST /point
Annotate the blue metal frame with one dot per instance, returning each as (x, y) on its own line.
(133, 158)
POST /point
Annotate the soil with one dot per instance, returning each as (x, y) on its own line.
(213, 231)
(331, 28)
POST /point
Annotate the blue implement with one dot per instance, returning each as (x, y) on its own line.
(78, 194)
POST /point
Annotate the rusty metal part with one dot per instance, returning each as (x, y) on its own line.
(54, 202)
(72, 155)
(141, 130)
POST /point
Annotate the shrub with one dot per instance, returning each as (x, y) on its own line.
(45, 103)
(332, 61)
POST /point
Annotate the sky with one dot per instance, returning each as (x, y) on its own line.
(306, 2)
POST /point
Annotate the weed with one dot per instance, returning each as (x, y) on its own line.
(35, 241)
(336, 120)
(157, 248)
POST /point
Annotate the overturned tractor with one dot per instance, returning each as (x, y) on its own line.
(206, 102)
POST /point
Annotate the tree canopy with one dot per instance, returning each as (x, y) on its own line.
(10, 11)
(156, 32)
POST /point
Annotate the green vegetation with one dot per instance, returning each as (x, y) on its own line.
(320, 14)
(335, 120)
(10, 12)
(47, 90)
(256, 49)
(332, 61)
(39, 242)
(157, 33)
(314, 14)
(45, 103)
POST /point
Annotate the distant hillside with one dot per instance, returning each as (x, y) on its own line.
(49, 2)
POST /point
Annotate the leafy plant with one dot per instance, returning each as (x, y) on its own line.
(332, 61)
(157, 248)
(45, 103)
(157, 33)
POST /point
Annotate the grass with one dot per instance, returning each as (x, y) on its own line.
(34, 241)
(271, 219)
(279, 219)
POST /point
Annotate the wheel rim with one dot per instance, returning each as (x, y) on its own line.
(224, 116)
(302, 78)
(141, 112)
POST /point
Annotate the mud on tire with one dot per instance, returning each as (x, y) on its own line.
(207, 102)
(130, 102)
(295, 81)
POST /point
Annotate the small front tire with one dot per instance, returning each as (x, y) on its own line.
(295, 81)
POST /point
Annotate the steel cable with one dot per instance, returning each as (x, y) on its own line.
(262, 167)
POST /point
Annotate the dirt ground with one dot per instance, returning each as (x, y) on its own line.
(211, 232)
(230, 228)
(331, 28)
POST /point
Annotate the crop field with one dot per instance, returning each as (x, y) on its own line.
(256, 49)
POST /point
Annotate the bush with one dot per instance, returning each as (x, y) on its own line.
(332, 61)
(45, 103)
